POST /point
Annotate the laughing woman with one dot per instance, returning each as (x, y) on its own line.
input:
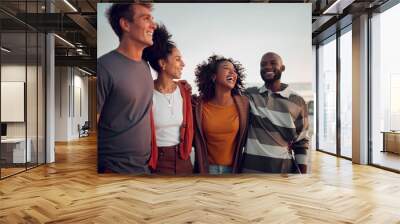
(220, 116)
(172, 108)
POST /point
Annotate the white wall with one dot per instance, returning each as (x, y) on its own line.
(61, 103)
(16, 72)
(81, 82)
(70, 83)
(80, 110)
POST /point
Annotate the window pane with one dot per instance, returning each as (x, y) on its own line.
(385, 82)
(346, 94)
(327, 97)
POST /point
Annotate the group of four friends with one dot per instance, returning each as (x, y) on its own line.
(151, 126)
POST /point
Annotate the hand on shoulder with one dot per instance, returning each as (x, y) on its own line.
(186, 85)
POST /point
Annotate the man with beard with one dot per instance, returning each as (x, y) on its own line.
(278, 128)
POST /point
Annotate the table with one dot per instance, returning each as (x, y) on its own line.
(13, 150)
(391, 141)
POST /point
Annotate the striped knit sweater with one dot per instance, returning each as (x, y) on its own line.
(278, 121)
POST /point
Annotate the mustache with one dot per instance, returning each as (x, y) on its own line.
(277, 76)
(263, 72)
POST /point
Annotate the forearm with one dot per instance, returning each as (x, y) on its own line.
(300, 152)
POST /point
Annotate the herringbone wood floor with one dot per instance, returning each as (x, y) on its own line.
(70, 191)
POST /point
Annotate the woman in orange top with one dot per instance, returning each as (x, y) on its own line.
(220, 116)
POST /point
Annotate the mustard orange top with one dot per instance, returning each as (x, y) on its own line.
(220, 127)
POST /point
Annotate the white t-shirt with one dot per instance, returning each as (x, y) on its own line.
(168, 117)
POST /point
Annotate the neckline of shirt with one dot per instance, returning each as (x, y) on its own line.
(128, 59)
(219, 106)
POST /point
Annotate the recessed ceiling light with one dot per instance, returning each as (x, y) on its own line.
(5, 50)
(64, 40)
(70, 5)
(338, 6)
(84, 71)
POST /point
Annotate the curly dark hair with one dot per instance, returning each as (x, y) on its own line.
(119, 10)
(207, 69)
(161, 48)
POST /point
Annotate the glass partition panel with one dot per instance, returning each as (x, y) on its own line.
(31, 98)
(15, 151)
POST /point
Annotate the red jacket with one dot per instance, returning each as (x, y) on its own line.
(186, 130)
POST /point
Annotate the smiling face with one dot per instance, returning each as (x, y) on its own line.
(271, 67)
(173, 65)
(226, 76)
(141, 29)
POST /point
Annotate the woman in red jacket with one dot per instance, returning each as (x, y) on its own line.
(172, 119)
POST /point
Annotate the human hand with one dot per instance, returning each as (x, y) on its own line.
(186, 85)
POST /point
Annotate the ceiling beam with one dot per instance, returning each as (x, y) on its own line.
(82, 61)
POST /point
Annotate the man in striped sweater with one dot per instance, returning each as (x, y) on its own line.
(278, 124)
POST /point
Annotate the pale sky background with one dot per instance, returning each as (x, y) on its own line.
(242, 31)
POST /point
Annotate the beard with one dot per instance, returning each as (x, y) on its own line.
(277, 76)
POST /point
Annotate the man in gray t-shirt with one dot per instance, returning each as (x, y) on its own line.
(124, 93)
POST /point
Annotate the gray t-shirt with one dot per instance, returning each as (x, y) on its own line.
(124, 98)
